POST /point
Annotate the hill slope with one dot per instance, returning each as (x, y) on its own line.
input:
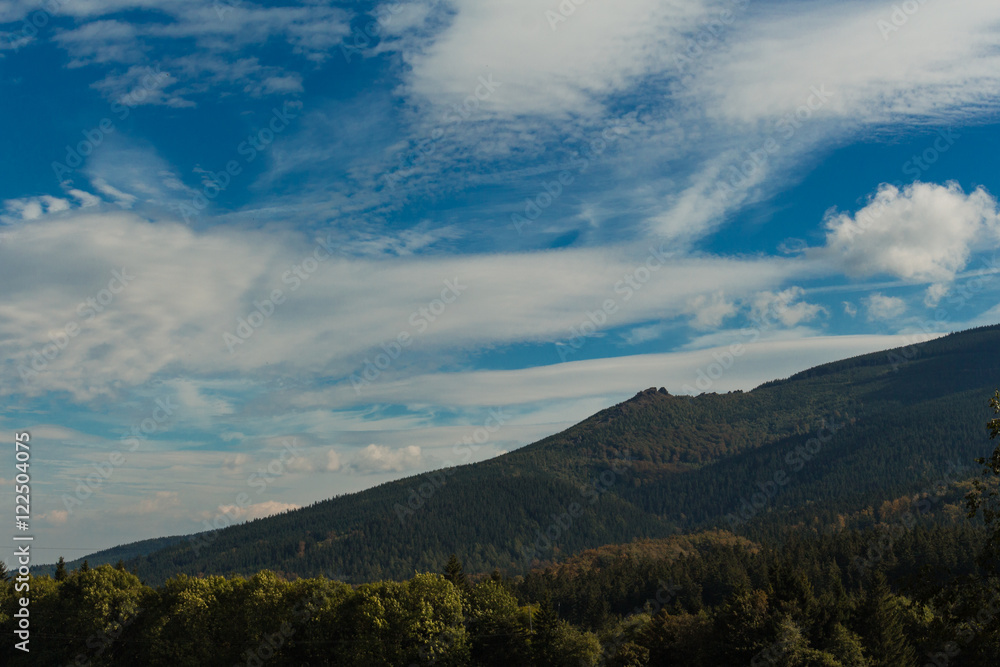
(829, 440)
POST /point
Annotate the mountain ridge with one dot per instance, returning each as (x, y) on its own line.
(684, 463)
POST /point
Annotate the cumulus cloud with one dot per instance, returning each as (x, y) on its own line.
(332, 461)
(881, 307)
(710, 310)
(299, 464)
(379, 458)
(850, 309)
(783, 306)
(924, 232)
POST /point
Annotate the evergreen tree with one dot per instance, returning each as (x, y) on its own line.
(454, 572)
(60, 569)
(85, 567)
(885, 633)
(545, 623)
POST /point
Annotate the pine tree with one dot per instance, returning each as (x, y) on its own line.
(85, 567)
(60, 569)
(454, 573)
(885, 635)
(546, 631)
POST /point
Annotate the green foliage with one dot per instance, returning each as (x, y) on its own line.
(803, 603)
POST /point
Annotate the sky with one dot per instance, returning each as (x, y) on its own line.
(283, 252)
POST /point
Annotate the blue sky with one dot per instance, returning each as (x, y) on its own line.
(336, 239)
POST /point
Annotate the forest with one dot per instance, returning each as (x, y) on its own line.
(713, 599)
(847, 516)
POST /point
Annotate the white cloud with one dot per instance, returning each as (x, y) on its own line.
(608, 380)
(160, 503)
(924, 232)
(257, 510)
(190, 288)
(299, 464)
(332, 461)
(935, 293)
(942, 63)
(850, 309)
(784, 306)
(881, 307)
(56, 517)
(601, 48)
(644, 334)
(379, 458)
(212, 32)
(710, 310)
(235, 462)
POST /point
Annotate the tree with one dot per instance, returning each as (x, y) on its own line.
(60, 569)
(545, 624)
(455, 573)
(498, 636)
(885, 632)
(4, 576)
(984, 496)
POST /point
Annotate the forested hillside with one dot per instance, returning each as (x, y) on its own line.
(812, 450)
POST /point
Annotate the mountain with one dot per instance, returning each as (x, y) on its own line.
(835, 441)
